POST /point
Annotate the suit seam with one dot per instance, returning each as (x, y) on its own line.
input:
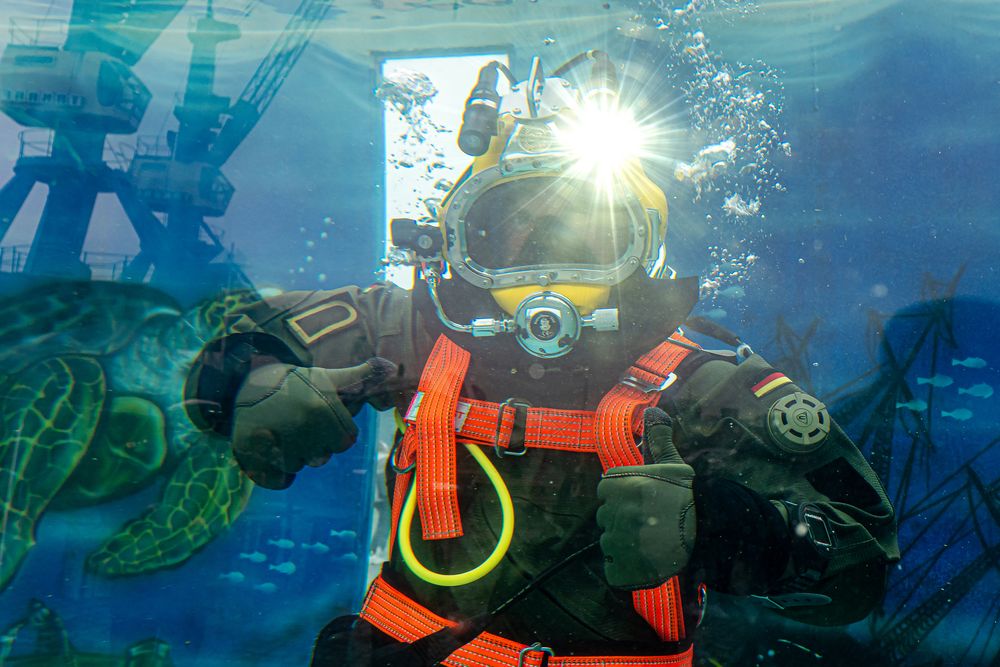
(271, 392)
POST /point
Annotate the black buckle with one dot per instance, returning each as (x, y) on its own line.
(817, 526)
(517, 431)
(535, 648)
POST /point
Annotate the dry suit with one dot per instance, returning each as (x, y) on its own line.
(803, 524)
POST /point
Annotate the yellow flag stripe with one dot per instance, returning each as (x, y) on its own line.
(771, 386)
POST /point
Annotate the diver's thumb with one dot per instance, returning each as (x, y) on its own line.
(658, 437)
(361, 380)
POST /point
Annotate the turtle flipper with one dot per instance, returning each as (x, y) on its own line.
(203, 497)
(49, 413)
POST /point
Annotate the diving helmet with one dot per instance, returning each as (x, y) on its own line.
(554, 210)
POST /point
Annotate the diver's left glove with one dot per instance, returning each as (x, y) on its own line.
(648, 514)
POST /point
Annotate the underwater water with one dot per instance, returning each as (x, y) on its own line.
(830, 168)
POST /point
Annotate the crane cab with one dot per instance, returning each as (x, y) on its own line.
(44, 86)
(164, 182)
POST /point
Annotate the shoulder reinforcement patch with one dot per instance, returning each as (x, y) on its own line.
(798, 423)
(333, 314)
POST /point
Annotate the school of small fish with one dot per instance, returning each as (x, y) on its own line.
(980, 390)
(344, 544)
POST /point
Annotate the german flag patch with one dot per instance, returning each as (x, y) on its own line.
(769, 384)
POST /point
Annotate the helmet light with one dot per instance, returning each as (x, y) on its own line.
(603, 140)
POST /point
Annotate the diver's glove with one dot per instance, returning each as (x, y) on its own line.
(648, 514)
(289, 416)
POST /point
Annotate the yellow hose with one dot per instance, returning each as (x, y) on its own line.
(503, 544)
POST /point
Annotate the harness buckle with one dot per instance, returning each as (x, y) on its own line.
(517, 431)
(535, 648)
(630, 380)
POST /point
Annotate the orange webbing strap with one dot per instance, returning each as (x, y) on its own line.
(487, 423)
(437, 486)
(407, 621)
(477, 422)
(619, 416)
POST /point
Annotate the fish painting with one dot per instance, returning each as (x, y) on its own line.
(255, 557)
(981, 390)
(938, 381)
(283, 568)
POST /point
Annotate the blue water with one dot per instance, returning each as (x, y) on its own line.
(887, 191)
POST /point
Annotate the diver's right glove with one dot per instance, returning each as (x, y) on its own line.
(289, 416)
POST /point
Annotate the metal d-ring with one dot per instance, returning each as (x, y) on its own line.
(392, 460)
(535, 648)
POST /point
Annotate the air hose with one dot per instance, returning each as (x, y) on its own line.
(484, 568)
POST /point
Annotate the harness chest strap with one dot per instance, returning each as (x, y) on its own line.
(487, 423)
(431, 443)
(492, 424)
(407, 621)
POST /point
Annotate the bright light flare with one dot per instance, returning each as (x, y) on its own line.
(603, 140)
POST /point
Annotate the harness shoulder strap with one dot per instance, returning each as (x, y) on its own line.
(437, 492)
(619, 416)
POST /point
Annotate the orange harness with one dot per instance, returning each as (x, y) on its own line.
(439, 418)
(403, 619)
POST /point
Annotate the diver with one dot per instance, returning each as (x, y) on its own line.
(572, 474)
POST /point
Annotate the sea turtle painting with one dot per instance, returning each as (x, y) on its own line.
(91, 410)
(40, 639)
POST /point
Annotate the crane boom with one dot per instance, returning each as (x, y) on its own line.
(899, 641)
(269, 77)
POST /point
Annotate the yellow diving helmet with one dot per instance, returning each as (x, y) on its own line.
(554, 209)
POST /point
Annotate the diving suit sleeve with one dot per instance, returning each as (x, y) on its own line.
(288, 378)
(788, 509)
(326, 329)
